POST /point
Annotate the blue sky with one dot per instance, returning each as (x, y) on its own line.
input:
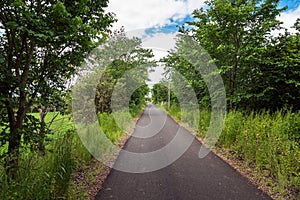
(156, 21)
(166, 15)
(292, 4)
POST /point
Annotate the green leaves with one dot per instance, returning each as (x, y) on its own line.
(123, 65)
(256, 66)
(59, 10)
(237, 36)
(41, 48)
(12, 24)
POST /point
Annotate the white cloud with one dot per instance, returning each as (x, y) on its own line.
(160, 41)
(140, 14)
(137, 14)
(156, 75)
(289, 18)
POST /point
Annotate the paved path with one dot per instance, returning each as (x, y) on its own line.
(188, 178)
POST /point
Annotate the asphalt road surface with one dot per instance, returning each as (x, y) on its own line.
(168, 174)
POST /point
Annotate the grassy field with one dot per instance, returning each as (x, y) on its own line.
(45, 177)
(50, 176)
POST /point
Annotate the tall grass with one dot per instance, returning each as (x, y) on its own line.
(114, 125)
(109, 127)
(39, 177)
(268, 142)
(50, 176)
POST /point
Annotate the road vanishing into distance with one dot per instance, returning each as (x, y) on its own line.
(188, 178)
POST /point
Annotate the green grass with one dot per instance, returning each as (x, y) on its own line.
(39, 177)
(109, 127)
(268, 142)
(50, 176)
(61, 123)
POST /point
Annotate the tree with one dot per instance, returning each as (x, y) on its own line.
(178, 67)
(127, 66)
(138, 99)
(233, 32)
(160, 94)
(277, 75)
(42, 45)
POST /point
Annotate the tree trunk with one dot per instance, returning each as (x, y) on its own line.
(233, 71)
(16, 123)
(232, 84)
(14, 140)
(231, 90)
(41, 146)
(12, 160)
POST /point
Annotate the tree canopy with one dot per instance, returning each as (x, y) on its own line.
(42, 46)
(259, 69)
(125, 66)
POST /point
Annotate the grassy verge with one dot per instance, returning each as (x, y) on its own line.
(52, 176)
(89, 177)
(67, 170)
(267, 144)
(48, 176)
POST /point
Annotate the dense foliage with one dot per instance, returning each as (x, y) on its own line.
(160, 94)
(259, 70)
(276, 81)
(127, 68)
(42, 45)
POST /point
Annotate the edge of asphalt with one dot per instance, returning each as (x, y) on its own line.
(122, 142)
(232, 164)
(216, 152)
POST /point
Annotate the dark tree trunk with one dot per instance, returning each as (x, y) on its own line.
(16, 122)
(12, 160)
(232, 84)
(14, 140)
(231, 89)
(41, 146)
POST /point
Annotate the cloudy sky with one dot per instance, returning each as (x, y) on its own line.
(138, 14)
(156, 20)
